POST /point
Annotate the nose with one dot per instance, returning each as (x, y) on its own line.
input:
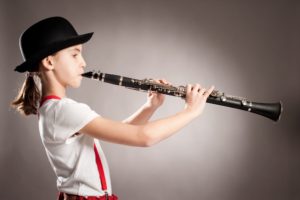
(83, 63)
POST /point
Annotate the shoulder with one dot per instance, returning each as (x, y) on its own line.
(70, 106)
(67, 103)
(65, 107)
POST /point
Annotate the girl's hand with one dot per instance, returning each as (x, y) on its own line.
(155, 99)
(196, 97)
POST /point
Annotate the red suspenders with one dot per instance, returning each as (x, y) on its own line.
(100, 170)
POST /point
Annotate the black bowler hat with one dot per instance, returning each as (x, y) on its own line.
(45, 38)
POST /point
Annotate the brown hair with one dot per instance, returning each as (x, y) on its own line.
(27, 100)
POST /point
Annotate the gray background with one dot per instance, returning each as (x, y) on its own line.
(244, 48)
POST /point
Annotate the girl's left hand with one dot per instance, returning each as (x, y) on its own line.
(154, 99)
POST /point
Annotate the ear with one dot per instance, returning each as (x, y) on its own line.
(48, 62)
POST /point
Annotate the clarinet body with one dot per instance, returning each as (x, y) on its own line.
(270, 110)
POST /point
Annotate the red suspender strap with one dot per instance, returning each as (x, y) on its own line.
(100, 169)
(47, 98)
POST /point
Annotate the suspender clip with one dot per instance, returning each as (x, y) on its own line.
(106, 195)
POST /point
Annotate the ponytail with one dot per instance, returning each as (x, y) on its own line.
(27, 101)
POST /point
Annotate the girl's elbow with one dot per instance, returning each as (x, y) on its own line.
(149, 142)
(148, 138)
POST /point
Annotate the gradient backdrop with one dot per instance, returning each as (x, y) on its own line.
(244, 48)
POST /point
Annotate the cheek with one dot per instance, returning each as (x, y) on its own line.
(64, 70)
(67, 66)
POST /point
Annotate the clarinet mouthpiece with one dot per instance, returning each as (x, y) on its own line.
(87, 74)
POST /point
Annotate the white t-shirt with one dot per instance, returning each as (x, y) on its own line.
(72, 156)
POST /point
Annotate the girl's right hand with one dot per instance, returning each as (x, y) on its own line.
(196, 97)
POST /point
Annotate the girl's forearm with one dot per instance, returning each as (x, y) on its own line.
(141, 116)
(161, 129)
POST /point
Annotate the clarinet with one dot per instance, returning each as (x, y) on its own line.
(270, 110)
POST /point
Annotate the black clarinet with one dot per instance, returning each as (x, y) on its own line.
(270, 110)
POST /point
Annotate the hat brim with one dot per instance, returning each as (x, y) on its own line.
(31, 64)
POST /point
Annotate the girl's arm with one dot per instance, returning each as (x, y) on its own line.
(141, 116)
(154, 101)
(152, 132)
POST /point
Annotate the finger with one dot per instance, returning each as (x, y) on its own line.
(188, 88)
(157, 80)
(164, 81)
(196, 87)
(202, 91)
(150, 93)
(209, 91)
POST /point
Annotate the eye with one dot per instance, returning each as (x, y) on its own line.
(75, 55)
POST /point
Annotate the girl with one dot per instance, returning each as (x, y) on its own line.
(52, 52)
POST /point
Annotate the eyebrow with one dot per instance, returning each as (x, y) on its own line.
(75, 49)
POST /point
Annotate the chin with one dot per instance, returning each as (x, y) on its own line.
(76, 84)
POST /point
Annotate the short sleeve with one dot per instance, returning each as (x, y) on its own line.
(71, 116)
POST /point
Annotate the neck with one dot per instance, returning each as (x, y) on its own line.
(46, 91)
(50, 86)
